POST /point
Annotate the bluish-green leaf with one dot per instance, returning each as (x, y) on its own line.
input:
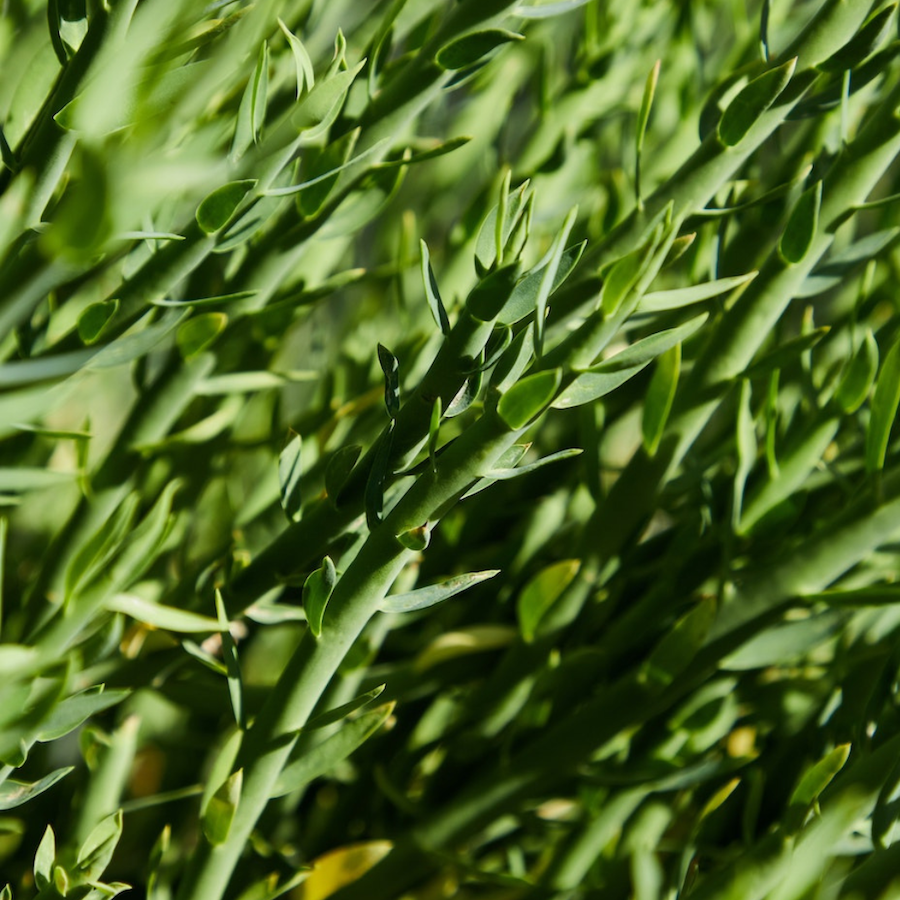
(289, 478)
(801, 227)
(217, 209)
(93, 320)
(306, 78)
(528, 397)
(424, 597)
(470, 48)
(541, 592)
(96, 852)
(884, 409)
(252, 111)
(77, 709)
(15, 793)
(44, 859)
(199, 332)
(325, 756)
(748, 106)
(662, 301)
(317, 590)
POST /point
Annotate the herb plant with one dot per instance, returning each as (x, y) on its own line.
(447, 449)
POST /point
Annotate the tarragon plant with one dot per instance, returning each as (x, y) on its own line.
(447, 449)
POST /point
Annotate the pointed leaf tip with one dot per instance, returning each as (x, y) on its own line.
(748, 106)
(527, 398)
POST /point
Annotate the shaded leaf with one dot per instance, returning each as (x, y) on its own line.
(218, 208)
(221, 809)
(232, 664)
(289, 478)
(432, 294)
(44, 859)
(863, 44)
(659, 398)
(338, 470)
(470, 48)
(391, 368)
(15, 793)
(252, 111)
(374, 494)
(786, 354)
(199, 332)
(662, 301)
(323, 757)
(77, 709)
(648, 348)
(504, 474)
(344, 710)
(883, 410)
(801, 227)
(541, 593)
(93, 320)
(676, 651)
(95, 853)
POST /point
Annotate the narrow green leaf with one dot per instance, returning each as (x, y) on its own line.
(764, 14)
(523, 300)
(883, 410)
(676, 651)
(746, 452)
(391, 368)
(252, 111)
(77, 709)
(514, 360)
(434, 430)
(786, 354)
(863, 44)
(341, 712)
(374, 494)
(219, 207)
(232, 664)
(748, 106)
(491, 294)
(662, 301)
(500, 473)
(819, 776)
(541, 592)
(289, 478)
(622, 276)
(317, 590)
(136, 343)
(508, 460)
(470, 48)
(423, 150)
(591, 386)
(529, 397)
(329, 175)
(221, 809)
(859, 376)
(166, 618)
(548, 10)
(641, 129)
(432, 294)
(15, 793)
(325, 756)
(199, 332)
(222, 767)
(4, 528)
(659, 398)
(648, 348)
(801, 227)
(486, 242)
(93, 320)
(306, 78)
(468, 393)
(338, 470)
(424, 597)
(95, 853)
(44, 859)
(548, 276)
(205, 301)
(320, 107)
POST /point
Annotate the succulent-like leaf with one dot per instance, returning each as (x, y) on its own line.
(424, 597)
(317, 590)
(470, 48)
(529, 397)
(749, 105)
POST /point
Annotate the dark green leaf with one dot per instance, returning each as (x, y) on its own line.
(325, 756)
(218, 208)
(491, 294)
(523, 300)
(884, 409)
(467, 394)
(344, 710)
(290, 476)
(859, 376)
(391, 368)
(786, 354)
(623, 275)
(801, 227)
(862, 45)
(745, 110)
(15, 793)
(499, 473)
(470, 48)
(514, 361)
(93, 320)
(232, 664)
(166, 618)
(423, 151)
(434, 593)
(317, 590)
(528, 397)
(432, 294)
(676, 651)
(338, 470)
(434, 429)
(377, 476)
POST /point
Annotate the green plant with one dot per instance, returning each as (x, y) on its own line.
(510, 512)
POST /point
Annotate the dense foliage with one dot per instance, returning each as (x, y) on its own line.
(446, 449)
